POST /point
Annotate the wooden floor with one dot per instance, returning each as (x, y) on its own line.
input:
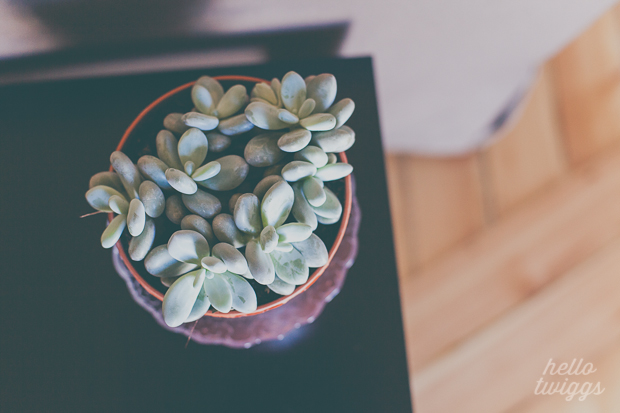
(511, 256)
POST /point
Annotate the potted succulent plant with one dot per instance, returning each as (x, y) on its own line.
(232, 198)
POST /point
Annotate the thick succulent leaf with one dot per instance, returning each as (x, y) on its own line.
(127, 171)
(203, 100)
(259, 100)
(337, 140)
(235, 125)
(263, 186)
(322, 89)
(296, 170)
(233, 173)
(265, 92)
(99, 196)
(313, 250)
(139, 246)
(213, 86)
(193, 146)
(207, 171)
(290, 266)
(106, 178)
(268, 239)
(136, 217)
(160, 263)
(332, 158)
(202, 203)
(307, 108)
(334, 171)
(262, 150)
(293, 91)
(166, 145)
(277, 87)
(319, 122)
(113, 231)
(247, 214)
(232, 101)
(295, 140)
(180, 181)
(294, 232)
(181, 297)
(314, 155)
(188, 246)
(302, 211)
(200, 225)
(264, 116)
(327, 221)
(218, 291)
(277, 204)
(201, 306)
(313, 191)
(168, 281)
(287, 117)
(243, 295)
(218, 142)
(284, 247)
(225, 230)
(213, 264)
(175, 209)
(118, 204)
(154, 169)
(280, 287)
(331, 208)
(153, 199)
(259, 263)
(174, 123)
(200, 121)
(342, 111)
(234, 260)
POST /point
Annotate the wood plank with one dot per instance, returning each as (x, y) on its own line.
(441, 204)
(402, 226)
(531, 155)
(587, 75)
(499, 366)
(483, 278)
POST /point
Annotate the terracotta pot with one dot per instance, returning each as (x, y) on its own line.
(265, 307)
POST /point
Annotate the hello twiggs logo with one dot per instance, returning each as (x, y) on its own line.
(569, 388)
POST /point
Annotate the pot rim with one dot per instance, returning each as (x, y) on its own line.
(273, 304)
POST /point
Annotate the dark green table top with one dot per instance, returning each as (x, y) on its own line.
(73, 340)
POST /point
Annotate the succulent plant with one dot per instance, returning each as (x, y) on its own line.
(279, 254)
(178, 164)
(315, 203)
(133, 200)
(211, 277)
(273, 226)
(178, 167)
(214, 108)
(302, 106)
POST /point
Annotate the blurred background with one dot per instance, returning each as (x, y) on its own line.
(501, 122)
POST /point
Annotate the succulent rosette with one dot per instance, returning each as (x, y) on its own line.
(134, 201)
(279, 253)
(178, 166)
(301, 106)
(314, 202)
(211, 277)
